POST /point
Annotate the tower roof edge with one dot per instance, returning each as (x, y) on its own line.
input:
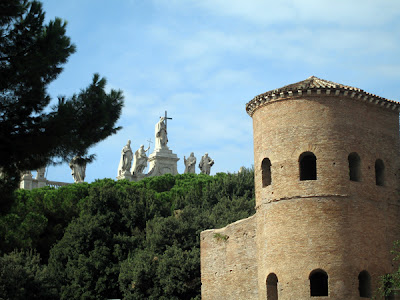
(317, 85)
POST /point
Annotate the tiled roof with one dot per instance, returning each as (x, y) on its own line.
(314, 85)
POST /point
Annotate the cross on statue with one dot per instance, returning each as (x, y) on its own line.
(150, 142)
(166, 118)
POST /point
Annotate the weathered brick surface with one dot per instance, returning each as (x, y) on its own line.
(332, 223)
(330, 127)
(228, 256)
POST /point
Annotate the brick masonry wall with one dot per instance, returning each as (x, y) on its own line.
(331, 128)
(332, 223)
(228, 262)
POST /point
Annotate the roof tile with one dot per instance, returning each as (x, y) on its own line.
(319, 86)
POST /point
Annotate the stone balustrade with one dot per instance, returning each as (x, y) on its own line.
(30, 183)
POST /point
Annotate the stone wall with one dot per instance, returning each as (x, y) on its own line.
(228, 262)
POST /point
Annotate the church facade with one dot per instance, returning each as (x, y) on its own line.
(326, 160)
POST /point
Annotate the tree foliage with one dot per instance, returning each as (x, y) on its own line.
(23, 277)
(120, 239)
(32, 133)
(38, 218)
(389, 284)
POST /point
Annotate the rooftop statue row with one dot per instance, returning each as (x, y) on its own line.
(140, 163)
(205, 164)
(162, 160)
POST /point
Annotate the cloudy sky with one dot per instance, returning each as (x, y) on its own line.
(202, 61)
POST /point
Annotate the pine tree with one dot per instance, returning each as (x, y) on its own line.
(32, 134)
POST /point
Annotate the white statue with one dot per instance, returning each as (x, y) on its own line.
(25, 174)
(161, 134)
(40, 173)
(126, 159)
(140, 160)
(205, 164)
(190, 163)
(78, 168)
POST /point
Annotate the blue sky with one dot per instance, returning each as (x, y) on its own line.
(202, 61)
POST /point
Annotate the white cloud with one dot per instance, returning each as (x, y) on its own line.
(367, 13)
(312, 32)
(203, 60)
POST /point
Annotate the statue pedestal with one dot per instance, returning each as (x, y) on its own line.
(26, 182)
(125, 175)
(163, 161)
(41, 182)
(137, 177)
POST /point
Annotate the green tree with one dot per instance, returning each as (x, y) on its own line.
(32, 133)
(121, 239)
(23, 277)
(86, 260)
(389, 284)
(37, 218)
(168, 265)
(171, 275)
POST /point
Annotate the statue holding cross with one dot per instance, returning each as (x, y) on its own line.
(161, 132)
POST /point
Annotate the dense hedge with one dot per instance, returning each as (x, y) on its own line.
(119, 239)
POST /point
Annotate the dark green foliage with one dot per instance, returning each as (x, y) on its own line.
(168, 267)
(389, 284)
(124, 239)
(38, 218)
(33, 134)
(173, 274)
(23, 277)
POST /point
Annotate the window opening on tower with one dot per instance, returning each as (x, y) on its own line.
(364, 284)
(354, 167)
(272, 287)
(318, 283)
(266, 172)
(379, 172)
(308, 166)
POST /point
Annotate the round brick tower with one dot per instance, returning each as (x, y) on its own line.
(326, 157)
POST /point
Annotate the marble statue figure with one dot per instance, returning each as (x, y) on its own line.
(40, 173)
(126, 159)
(161, 134)
(25, 174)
(190, 163)
(140, 162)
(205, 164)
(78, 168)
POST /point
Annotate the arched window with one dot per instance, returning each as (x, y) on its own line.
(272, 287)
(379, 172)
(364, 284)
(266, 172)
(308, 166)
(318, 283)
(354, 167)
